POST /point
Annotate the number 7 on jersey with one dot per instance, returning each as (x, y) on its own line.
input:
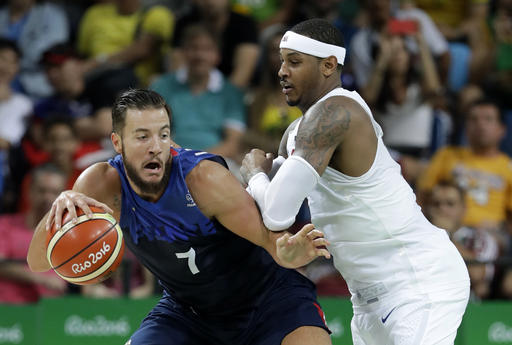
(191, 256)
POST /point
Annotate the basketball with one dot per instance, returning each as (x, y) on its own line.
(88, 251)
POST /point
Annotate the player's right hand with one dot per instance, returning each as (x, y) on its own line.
(69, 200)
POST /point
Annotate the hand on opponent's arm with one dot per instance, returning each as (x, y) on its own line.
(300, 249)
(219, 195)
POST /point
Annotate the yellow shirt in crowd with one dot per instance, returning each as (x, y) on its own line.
(448, 12)
(486, 180)
(104, 31)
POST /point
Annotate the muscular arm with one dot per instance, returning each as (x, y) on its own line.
(335, 124)
(99, 183)
(322, 131)
(219, 195)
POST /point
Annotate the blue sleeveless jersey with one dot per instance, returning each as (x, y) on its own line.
(198, 261)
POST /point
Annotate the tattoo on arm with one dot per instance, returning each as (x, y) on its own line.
(284, 140)
(322, 132)
(117, 201)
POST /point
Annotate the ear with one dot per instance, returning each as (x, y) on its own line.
(329, 66)
(116, 142)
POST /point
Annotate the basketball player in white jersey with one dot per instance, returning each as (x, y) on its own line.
(409, 284)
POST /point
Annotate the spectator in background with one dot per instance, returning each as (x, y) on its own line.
(14, 107)
(88, 105)
(464, 24)
(17, 283)
(267, 12)
(14, 110)
(445, 208)
(63, 148)
(480, 169)
(34, 27)
(437, 43)
(368, 41)
(121, 38)
(269, 114)
(235, 34)
(207, 110)
(403, 99)
(499, 83)
(465, 97)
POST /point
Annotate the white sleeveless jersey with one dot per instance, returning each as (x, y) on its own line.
(380, 241)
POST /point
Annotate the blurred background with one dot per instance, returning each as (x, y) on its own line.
(437, 75)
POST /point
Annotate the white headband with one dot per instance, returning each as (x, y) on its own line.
(306, 45)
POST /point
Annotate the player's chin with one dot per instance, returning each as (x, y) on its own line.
(153, 178)
(291, 101)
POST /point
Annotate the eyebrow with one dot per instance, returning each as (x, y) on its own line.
(293, 53)
(147, 130)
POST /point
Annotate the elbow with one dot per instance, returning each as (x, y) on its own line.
(277, 224)
(37, 264)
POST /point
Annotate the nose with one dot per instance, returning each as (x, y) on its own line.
(283, 71)
(155, 146)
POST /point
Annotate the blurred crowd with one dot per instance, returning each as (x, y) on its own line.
(437, 75)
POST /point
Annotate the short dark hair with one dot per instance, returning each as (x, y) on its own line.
(320, 30)
(6, 43)
(450, 184)
(197, 30)
(46, 168)
(58, 54)
(58, 119)
(139, 99)
(483, 101)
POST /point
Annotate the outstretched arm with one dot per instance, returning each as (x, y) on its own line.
(219, 195)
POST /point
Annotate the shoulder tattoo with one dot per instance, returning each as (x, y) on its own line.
(323, 131)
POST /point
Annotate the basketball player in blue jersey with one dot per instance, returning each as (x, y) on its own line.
(409, 284)
(192, 224)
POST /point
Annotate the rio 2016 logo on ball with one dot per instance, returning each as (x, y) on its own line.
(88, 251)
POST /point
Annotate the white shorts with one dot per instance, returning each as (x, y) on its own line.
(420, 320)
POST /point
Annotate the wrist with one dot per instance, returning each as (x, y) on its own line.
(255, 175)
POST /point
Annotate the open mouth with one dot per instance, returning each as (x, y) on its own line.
(153, 166)
(286, 87)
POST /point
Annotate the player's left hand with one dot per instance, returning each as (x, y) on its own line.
(255, 162)
(300, 249)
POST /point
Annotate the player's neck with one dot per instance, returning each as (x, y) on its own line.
(323, 91)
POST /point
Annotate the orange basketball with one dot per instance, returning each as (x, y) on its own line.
(86, 252)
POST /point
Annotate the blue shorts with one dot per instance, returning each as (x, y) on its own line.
(287, 305)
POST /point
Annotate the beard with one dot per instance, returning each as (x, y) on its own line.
(147, 187)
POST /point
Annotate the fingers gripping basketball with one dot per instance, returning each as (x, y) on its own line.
(88, 251)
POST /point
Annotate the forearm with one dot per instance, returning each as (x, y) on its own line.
(430, 75)
(18, 272)
(134, 53)
(246, 58)
(271, 247)
(36, 256)
(230, 146)
(280, 199)
(371, 90)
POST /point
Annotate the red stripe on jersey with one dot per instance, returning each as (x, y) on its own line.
(174, 153)
(321, 313)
